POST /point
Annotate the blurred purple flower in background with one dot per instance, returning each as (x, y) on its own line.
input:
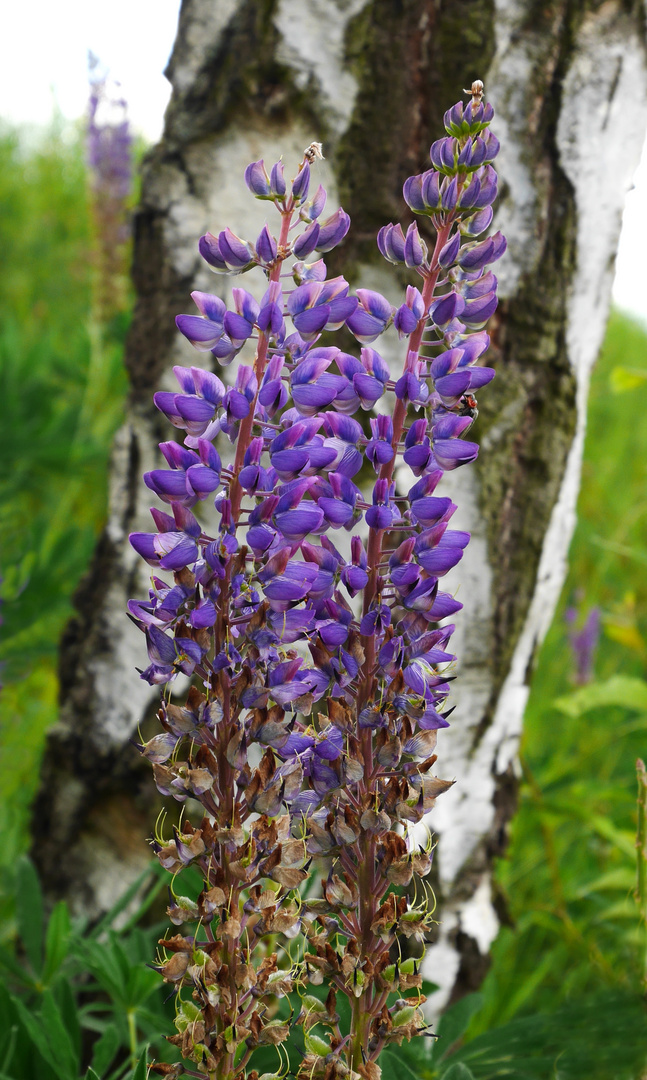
(109, 153)
(583, 642)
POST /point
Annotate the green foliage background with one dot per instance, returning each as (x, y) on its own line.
(566, 882)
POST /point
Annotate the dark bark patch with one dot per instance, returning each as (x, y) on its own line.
(240, 74)
(411, 58)
(474, 966)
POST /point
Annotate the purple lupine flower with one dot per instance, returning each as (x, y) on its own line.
(583, 642)
(390, 241)
(169, 656)
(410, 313)
(109, 151)
(325, 748)
(227, 253)
(415, 249)
(257, 180)
(370, 383)
(266, 249)
(379, 449)
(371, 317)
(306, 243)
(332, 231)
(204, 330)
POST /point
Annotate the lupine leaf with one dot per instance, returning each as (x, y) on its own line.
(61, 1041)
(66, 1003)
(395, 1068)
(139, 1073)
(29, 912)
(459, 1071)
(56, 941)
(455, 1023)
(8, 961)
(46, 1031)
(600, 1038)
(624, 690)
(105, 1049)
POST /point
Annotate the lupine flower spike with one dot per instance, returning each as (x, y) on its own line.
(109, 151)
(320, 679)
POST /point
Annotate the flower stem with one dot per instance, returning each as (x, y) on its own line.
(641, 851)
(374, 551)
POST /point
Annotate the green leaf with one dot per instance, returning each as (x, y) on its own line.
(395, 1068)
(624, 878)
(49, 1035)
(454, 1023)
(624, 690)
(91, 1074)
(8, 961)
(29, 911)
(61, 1042)
(8, 1037)
(100, 960)
(56, 941)
(600, 1038)
(67, 1005)
(32, 1025)
(105, 1049)
(56, 1052)
(459, 1071)
(141, 1069)
(622, 379)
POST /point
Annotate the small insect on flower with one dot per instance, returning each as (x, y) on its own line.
(314, 152)
(477, 90)
(468, 406)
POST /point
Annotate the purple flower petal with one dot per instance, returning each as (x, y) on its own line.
(202, 333)
(296, 524)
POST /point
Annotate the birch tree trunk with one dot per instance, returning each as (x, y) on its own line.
(371, 79)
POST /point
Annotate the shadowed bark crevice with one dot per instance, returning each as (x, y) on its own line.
(474, 966)
(409, 57)
(240, 76)
(161, 293)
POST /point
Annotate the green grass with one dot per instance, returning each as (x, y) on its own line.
(568, 875)
(62, 386)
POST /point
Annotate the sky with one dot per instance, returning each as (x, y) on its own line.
(43, 57)
(43, 60)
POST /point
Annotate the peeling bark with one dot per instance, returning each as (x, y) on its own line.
(256, 78)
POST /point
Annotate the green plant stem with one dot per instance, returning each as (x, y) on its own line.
(132, 1036)
(641, 854)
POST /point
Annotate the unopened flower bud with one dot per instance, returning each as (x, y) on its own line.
(277, 181)
(415, 249)
(301, 184)
(266, 248)
(333, 231)
(257, 180)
